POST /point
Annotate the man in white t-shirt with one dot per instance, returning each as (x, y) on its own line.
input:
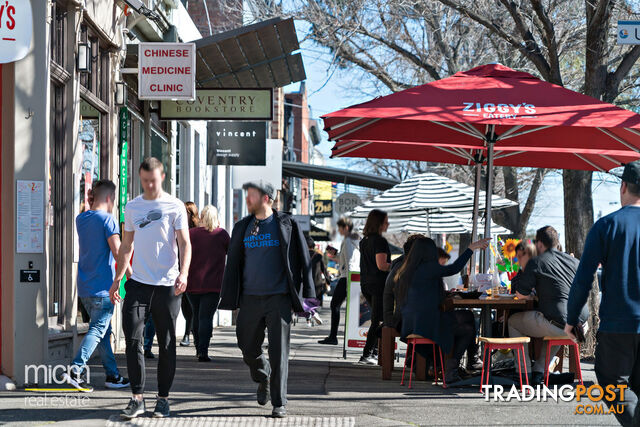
(155, 223)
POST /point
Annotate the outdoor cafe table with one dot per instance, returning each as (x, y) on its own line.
(486, 305)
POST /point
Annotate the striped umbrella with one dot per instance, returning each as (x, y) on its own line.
(438, 223)
(427, 193)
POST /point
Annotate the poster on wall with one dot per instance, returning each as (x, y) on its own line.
(30, 217)
(358, 317)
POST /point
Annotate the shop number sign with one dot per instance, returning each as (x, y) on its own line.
(167, 71)
(323, 208)
(16, 27)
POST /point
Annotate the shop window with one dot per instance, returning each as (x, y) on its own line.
(89, 139)
(58, 20)
(56, 229)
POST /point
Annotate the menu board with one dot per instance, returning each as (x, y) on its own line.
(30, 217)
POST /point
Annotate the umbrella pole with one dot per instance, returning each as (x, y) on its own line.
(476, 210)
(489, 194)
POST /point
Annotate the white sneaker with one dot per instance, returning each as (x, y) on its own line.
(75, 379)
(316, 318)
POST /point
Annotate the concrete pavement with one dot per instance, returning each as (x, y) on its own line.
(324, 389)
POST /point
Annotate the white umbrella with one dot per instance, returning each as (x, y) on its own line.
(427, 193)
(439, 222)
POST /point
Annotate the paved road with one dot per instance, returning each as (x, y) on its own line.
(324, 389)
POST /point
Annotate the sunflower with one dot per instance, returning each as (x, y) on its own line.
(509, 248)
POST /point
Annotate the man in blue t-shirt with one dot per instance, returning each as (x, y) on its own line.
(614, 242)
(99, 242)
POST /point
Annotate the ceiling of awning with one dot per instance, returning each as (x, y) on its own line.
(259, 55)
(343, 176)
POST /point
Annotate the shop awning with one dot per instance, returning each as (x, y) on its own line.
(343, 176)
(260, 55)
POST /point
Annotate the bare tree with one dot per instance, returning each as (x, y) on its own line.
(548, 34)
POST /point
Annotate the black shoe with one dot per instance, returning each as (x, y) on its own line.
(536, 378)
(133, 409)
(185, 341)
(279, 412)
(329, 340)
(148, 354)
(264, 395)
(204, 358)
(74, 378)
(368, 360)
(473, 364)
(162, 408)
(116, 382)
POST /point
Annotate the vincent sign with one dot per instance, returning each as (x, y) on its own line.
(16, 27)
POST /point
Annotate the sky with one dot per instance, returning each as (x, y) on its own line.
(328, 91)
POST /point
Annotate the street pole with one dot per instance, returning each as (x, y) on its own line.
(491, 139)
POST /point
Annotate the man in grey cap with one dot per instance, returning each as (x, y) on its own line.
(614, 242)
(268, 273)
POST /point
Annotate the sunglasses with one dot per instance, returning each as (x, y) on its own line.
(256, 229)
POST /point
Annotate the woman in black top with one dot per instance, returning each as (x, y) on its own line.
(420, 293)
(375, 262)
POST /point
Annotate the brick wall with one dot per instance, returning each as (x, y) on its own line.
(224, 16)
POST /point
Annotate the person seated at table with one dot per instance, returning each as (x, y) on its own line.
(550, 275)
(525, 252)
(420, 293)
(391, 315)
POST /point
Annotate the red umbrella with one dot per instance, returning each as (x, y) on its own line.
(489, 114)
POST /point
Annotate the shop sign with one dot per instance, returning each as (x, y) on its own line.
(167, 71)
(221, 104)
(347, 202)
(238, 143)
(16, 28)
(323, 208)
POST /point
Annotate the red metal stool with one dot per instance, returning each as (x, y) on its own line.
(412, 341)
(490, 344)
(561, 340)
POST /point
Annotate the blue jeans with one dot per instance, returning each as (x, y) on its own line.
(149, 333)
(98, 336)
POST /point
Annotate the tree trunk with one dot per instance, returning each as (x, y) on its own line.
(578, 209)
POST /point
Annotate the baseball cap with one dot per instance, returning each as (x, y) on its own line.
(262, 186)
(630, 174)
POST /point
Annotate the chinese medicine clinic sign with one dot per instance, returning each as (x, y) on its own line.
(167, 71)
(16, 27)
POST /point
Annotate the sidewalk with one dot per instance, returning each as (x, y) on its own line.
(324, 389)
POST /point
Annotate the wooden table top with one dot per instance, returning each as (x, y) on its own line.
(491, 303)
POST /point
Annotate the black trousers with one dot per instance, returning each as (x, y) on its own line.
(463, 327)
(374, 300)
(164, 306)
(618, 362)
(272, 312)
(339, 295)
(464, 334)
(204, 307)
(187, 312)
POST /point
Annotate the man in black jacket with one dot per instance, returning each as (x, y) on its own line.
(268, 273)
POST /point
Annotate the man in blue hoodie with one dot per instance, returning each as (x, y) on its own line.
(614, 242)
